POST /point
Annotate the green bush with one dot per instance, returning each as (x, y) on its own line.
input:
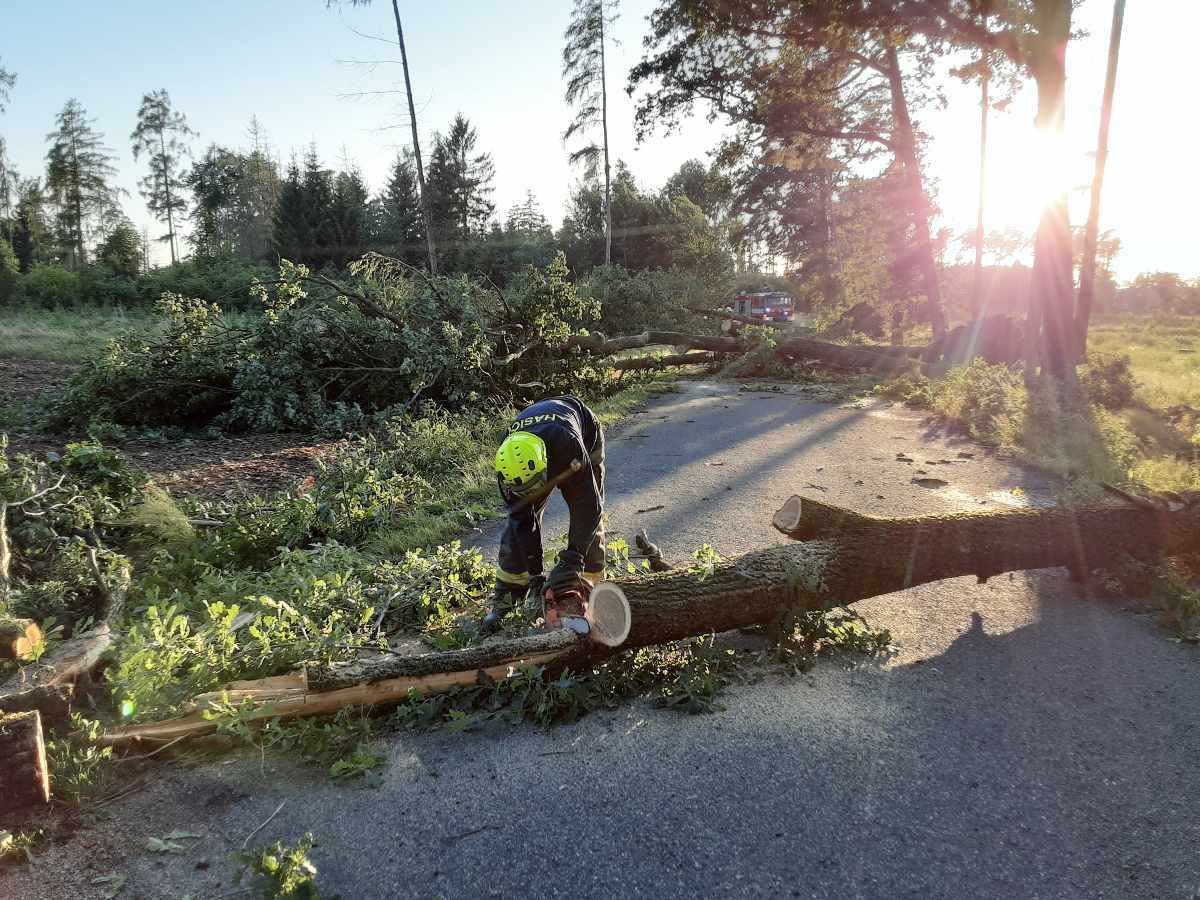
(9, 272)
(50, 286)
(1107, 380)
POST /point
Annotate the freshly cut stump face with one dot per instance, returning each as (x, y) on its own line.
(608, 614)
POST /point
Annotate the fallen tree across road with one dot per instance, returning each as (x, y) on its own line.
(840, 557)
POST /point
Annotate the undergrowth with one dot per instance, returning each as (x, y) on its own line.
(1095, 431)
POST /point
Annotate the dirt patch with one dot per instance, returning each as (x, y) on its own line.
(228, 467)
(25, 379)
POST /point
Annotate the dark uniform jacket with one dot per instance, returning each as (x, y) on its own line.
(571, 432)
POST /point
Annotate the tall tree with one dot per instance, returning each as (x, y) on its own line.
(161, 133)
(120, 250)
(8, 175)
(31, 229)
(290, 233)
(1087, 268)
(79, 169)
(460, 187)
(799, 81)
(585, 70)
(426, 202)
(348, 214)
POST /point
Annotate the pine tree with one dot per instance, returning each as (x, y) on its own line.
(160, 134)
(401, 227)
(79, 169)
(31, 230)
(584, 68)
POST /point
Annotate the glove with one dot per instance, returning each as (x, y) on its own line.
(564, 576)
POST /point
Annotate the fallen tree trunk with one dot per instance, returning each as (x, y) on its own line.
(52, 701)
(24, 776)
(884, 360)
(638, 363)
(597, 343)
(841, 557)
(735, 317)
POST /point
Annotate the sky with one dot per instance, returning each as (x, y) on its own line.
(287, 62)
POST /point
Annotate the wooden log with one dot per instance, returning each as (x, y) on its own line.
(840, 557)
(594, 343)
(319, 691)
(24, 775)
(735, 317)
(880, 359)
(53, 701)
(19, 638)
(639, 363)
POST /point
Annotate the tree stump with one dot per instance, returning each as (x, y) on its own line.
(24, 775)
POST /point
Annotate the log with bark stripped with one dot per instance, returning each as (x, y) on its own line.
(24, 775)
(840, 557)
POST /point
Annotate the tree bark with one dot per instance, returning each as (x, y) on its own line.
(24, 776)
(597, 343)
(1052, 285)
(426, 211)
(841, 557)
(905, 147)
(53, 701)
(1087, 267)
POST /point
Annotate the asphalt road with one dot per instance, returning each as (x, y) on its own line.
(1024, 741)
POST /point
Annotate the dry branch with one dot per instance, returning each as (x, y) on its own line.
(840, 557)
(638, 363)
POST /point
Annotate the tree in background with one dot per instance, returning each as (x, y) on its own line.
(121, 251)
(31, 238)
(584, 68)
(801, 83)
(1087, 267)
(349, 217)
(400, 230)
(426, 201)
(233, 199)
(290, 234)
(79, 169)
(160, 134)
(8, 175)
(460, 190)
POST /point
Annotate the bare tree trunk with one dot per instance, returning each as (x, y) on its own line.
(905, 148)
(1052, 287)
(604, 126)
(426, 212)
(1087, 267)
(167, 193)
(977, 281)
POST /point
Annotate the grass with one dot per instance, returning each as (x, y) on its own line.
(1164, 352)
(64, 335)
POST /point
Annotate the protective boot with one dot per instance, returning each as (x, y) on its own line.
(502, 603)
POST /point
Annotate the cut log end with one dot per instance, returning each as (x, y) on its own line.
(787, 517)
(19, 639)
(25, 776)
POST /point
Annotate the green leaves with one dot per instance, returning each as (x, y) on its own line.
(169, 843)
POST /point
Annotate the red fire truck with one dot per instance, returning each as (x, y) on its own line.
(770, 306)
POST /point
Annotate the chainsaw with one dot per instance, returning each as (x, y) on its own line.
(599, 613)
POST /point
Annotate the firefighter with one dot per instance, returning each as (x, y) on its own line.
(554, 443)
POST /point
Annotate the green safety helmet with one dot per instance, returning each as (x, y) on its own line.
(521, 463)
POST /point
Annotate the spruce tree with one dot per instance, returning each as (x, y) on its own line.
(402, 230)
(79, 170)
(291, 238)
